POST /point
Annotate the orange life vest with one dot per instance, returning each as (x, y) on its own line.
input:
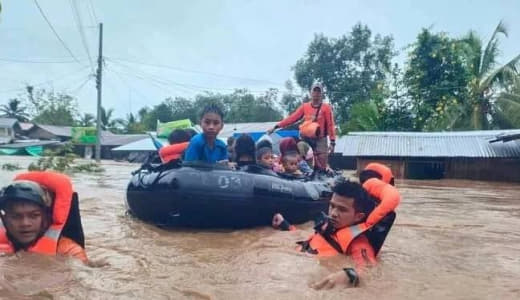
(387, 195)
(388, 198)
(318, 244)
(171, 152)
(383, 170)
(62, 187)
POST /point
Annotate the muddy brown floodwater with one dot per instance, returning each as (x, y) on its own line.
(453, 239)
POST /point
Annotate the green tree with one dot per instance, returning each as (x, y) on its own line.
(52, 108)
(166, 111)
(488, 79)
(290, 101)
(437, 78)
(87, 120)
(13, 109)
(506, 113)
(366, 116)
(131, 125)
(353, 67)
(242, 106)
(108, 122)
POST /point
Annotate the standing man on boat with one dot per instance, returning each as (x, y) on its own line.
(317, 125)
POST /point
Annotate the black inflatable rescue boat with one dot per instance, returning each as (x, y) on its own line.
(211, 196)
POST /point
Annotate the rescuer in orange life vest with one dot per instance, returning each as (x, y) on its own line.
(40, 214)
(359, 220)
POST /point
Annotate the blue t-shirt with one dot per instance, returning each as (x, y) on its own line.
(199, 150)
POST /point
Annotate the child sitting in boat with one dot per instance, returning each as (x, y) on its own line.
(179, 140)
(289, 145)
(206, 146)
(245, 150)
(264, 154)
(290, 164)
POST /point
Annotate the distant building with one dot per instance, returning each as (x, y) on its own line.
(8, 129)
(435, 155)
(50, 132)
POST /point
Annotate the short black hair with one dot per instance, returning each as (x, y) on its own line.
(362, 201)
(178, 136)
(244, 145)
(191, 132)
(212, 108)
(367, 174)
(264, 144)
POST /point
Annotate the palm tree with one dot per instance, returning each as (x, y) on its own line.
(365, 116)
(507, 111)
(13, 109)
(488, 79)
(131, 125)
(87, 120)
(107, 122)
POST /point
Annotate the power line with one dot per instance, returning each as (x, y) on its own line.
(93, 10)
(120, 77)
(63, 76)
(192, 87)
(77, 19)
(38, 61)
(54, 31)
(196, 72)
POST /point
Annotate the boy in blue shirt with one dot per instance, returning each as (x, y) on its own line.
(205, 146)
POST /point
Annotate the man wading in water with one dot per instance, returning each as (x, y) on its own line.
(34, 210)
(317, 125)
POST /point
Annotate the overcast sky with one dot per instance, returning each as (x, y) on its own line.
(207, 45)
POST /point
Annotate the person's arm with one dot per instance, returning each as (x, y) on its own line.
(387, 194)
(280, 223)
(68, 247)
(292, 118)
(363, 256)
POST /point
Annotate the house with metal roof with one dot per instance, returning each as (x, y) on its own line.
(8, 129)
(485, 155)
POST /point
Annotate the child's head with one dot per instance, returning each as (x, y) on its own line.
(245, 149)
(350, 204)
(179, 136)
(211, 121)
(290, 162)
(287, 145)
(191, 132)
(264, 154)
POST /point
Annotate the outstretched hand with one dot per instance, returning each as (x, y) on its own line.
(270, 131)
(277, 220)
(332, 280)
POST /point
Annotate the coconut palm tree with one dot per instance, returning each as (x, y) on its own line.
(108, 122)
(507, 110)
(87, 120)
(13, 109)
(488, 78)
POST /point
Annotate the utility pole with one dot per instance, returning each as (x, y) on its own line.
(98, 86)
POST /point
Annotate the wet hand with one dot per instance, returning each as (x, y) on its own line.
(334, 279)
(277, 220)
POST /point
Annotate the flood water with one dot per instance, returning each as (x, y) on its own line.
(453, 239)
